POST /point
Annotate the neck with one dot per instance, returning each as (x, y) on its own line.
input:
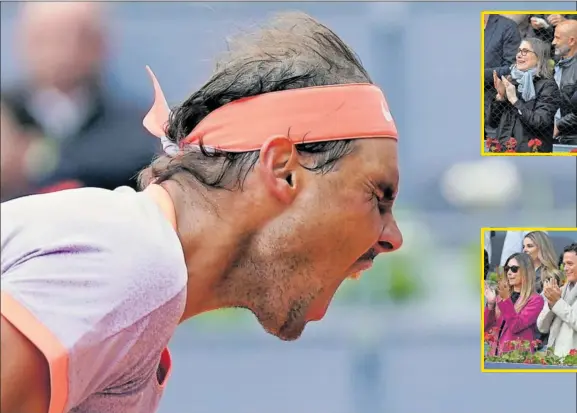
(570, 54)
(517, 289)
(212, 239)
(536, 263)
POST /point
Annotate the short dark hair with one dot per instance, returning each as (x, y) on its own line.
(571, 248)
(292, 51)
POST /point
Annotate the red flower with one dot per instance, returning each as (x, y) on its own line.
(573, 352)
(489, 337)
(534, 144)
(543, 362)
(573, 151)
(528, 361)
(493, 145)
(511, 144)
(508, 346)
(510, 150)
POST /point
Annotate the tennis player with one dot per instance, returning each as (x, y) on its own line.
(277, 184)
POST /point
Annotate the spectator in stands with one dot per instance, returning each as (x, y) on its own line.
(542, 26)
(502, 41)
(539, 247)
(514, 308)
(96, 141)
(565, 43)
(522, 22)
(525, 105)
(559, 314)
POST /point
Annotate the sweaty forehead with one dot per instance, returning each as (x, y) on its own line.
(378, 159)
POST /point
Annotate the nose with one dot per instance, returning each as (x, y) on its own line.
(391, 238)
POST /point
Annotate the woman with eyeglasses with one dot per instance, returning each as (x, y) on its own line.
(513, 309)
(526, 101)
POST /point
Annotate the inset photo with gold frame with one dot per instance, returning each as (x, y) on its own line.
(529, 83)
(529, 300)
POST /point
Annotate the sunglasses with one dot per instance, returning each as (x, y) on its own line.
(514, 269)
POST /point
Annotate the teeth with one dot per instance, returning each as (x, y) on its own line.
(356, 276)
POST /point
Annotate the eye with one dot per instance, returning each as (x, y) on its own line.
(383, 205)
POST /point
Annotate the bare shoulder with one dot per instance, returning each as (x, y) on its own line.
(24, 373)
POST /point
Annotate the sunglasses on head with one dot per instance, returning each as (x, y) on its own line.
(514, 268)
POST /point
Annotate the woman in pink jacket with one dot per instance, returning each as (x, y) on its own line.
(513, 310)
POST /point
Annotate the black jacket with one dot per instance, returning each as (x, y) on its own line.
(567, 125)
(527, 120)
(502, 40)
(108, 151)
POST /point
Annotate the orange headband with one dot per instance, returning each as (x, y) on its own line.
(312, 114)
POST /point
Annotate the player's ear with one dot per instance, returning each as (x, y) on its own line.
(278, 166)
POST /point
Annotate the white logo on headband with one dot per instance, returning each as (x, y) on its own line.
(386, 113)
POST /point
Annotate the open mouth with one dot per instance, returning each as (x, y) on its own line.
(364, 263)
(359, 267)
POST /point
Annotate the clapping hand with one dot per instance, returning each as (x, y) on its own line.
(555, 19)
(499, 86)
(510, 90)
(490, 295)
(537, 23)
(504, 289)
(551, 291)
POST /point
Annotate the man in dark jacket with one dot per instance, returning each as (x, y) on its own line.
(502, 40)
(565, 43)
(85, 135)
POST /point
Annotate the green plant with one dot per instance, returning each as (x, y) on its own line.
(493, 278)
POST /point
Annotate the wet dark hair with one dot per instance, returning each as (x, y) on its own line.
(292, 51)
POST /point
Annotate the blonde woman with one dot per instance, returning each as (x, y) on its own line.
(539, 247)
(513, 309)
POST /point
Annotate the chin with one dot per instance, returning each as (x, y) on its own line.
(287, 332)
